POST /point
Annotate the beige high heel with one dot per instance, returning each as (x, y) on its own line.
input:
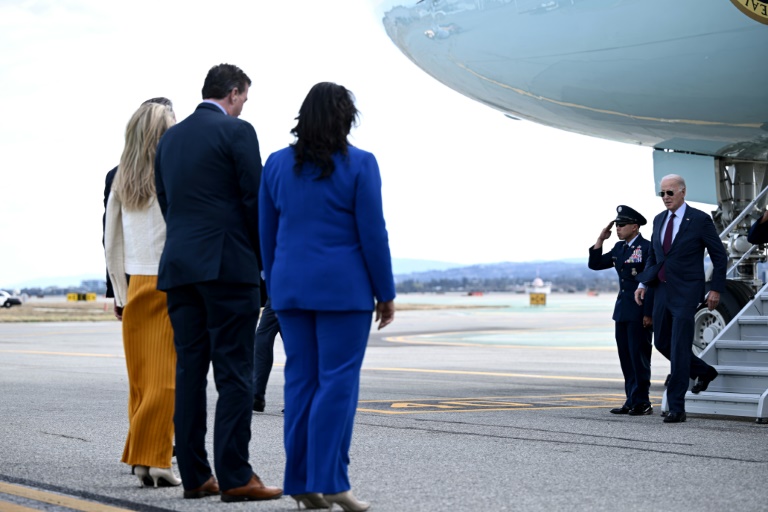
(347, 502)
(164, 476)
(311, 501)
(142, 473)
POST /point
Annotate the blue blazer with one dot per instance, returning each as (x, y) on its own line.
(324, 242)
(684, 264)
(207, 173)
(758, 233)
(629, 262)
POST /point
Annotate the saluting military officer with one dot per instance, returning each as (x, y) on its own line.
(633, 322)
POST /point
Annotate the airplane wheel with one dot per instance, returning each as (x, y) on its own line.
(708, 324)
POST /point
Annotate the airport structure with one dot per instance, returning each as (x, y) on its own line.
(686, 78)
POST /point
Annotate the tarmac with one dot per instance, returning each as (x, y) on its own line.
(499, 407)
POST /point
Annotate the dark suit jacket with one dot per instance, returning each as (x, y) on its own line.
(324, 241)
(684, 263)
(207, 173)
(629, 262)
(107, 189)
(758, 233)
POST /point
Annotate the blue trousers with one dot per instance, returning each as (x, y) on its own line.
(634, 344)
(263, 353)
(214, 323)
(324, 353)
(673, 328)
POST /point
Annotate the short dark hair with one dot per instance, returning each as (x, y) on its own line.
(325, 119)
(222, 79)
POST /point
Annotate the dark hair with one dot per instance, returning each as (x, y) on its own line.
(222, 79)
(324, 121)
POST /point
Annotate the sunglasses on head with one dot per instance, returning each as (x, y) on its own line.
(670, 193)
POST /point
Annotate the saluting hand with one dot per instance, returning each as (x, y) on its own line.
(385, 313)
(605, 234)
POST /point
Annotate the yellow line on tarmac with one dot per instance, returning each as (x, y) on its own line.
(497, 374)
(532, 408)
(56, 499)
(76, 354)
(413, 341)
(13, 507)
(573, 395)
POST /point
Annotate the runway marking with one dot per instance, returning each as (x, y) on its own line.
(423, 339)
(55, 499)
(46, 353)
(501, 374)
(488, 404)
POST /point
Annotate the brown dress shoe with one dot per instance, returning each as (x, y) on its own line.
(254, 490)
(209, 488)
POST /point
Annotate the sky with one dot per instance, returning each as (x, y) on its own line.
(461, 182)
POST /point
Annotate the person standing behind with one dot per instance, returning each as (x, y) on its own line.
(633, 321)
(207, 174)
(758, 233)
(326, 257)
(266, 332)
(133, 240)
(676, 268)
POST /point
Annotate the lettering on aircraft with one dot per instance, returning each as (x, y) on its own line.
(755, 9)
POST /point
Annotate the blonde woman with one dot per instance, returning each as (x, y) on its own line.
(134, 239)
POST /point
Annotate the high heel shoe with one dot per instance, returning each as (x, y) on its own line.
(163, 476)
(347, 502)
(142, 473)
(311, 501)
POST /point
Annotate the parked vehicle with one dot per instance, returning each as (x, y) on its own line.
(7, 300)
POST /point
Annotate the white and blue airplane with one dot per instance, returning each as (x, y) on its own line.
(686, 77)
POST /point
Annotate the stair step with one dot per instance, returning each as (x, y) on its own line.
(750, 371)
(742, 345)
(713, 396)
(753, 320)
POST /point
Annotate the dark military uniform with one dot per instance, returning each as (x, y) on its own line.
(634, 341)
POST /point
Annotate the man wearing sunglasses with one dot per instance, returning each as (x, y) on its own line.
(676, 270)
(633, 321)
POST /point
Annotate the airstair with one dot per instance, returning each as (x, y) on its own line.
(740, 355)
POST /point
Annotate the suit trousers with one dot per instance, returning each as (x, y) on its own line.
(673, 328)
(634, 344)
(324, 353)
(214, 322)
(263, 353)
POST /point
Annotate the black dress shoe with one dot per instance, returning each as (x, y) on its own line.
(259, 404)
(702, 383)
(675, 417)
(641, 410)
(621, 410)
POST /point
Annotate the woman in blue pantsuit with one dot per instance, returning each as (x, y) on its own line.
(326, 257)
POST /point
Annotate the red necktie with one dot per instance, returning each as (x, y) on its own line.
(666, 244)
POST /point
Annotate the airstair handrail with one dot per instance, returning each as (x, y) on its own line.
(744, 213)
(743, 256)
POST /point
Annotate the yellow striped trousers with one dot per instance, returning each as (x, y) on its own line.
(151, 360)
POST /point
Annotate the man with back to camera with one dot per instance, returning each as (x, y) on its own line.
(676, 269)
(633, 321)
(207, 173)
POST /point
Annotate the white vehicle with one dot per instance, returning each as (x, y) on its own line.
(7, 300)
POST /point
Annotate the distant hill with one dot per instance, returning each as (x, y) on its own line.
(60, 282)
(547, 270)
(408, 266)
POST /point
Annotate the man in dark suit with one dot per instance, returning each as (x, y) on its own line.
(676, 269)
(633, 321)
(108, 188)
(207, 173)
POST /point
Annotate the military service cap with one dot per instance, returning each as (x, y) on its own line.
(627, 215)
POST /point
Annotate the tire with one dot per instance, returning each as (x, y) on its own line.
(7, 304)
(708, 324)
